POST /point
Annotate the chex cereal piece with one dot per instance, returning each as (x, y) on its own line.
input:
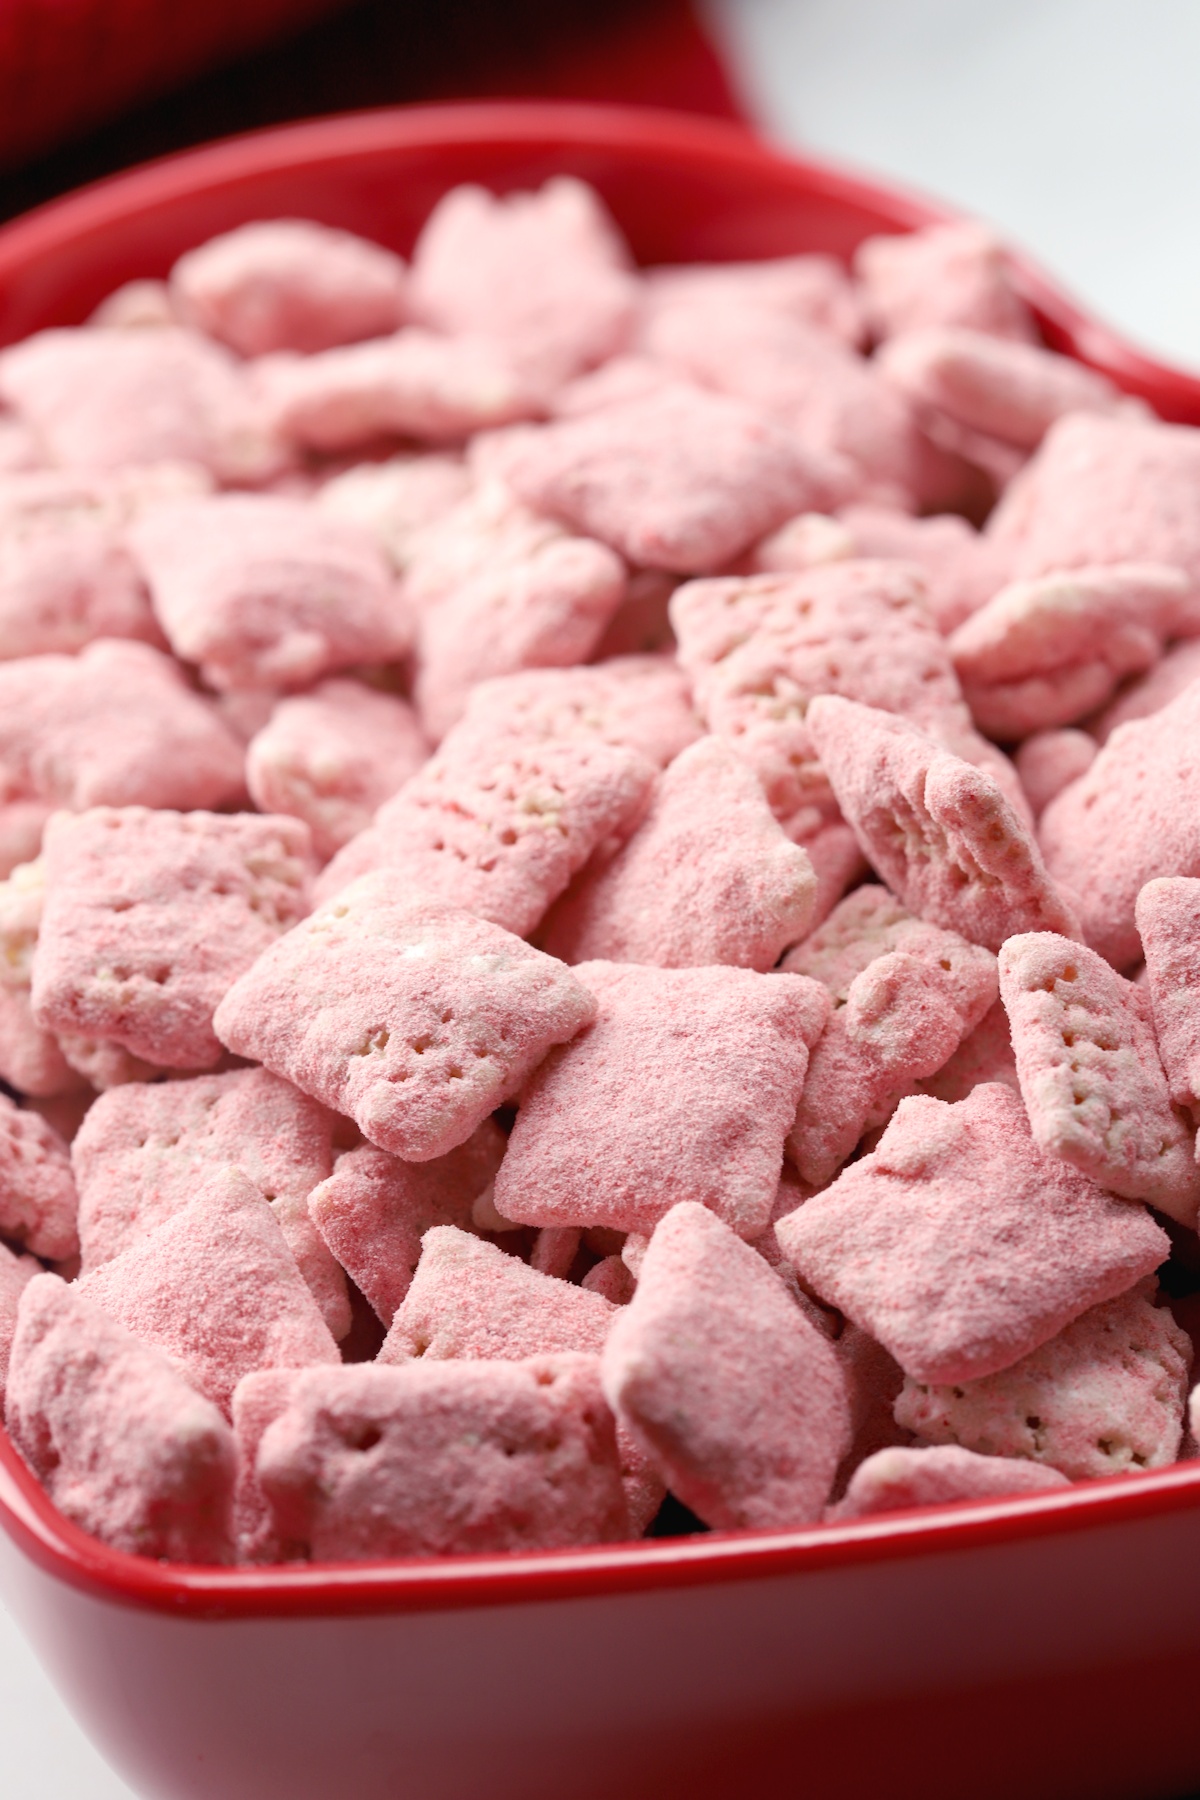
(500, 830)
(682, 479)
(812, 289)
(443, 1459)
(1090, 1074)
(258, 1400)
(642, 703)
(150, 916)
(611, 1278)
(16, 1272)
(1168, 922)
(31, 1059)
(263, 591)
(103, 398)
(707, 877)
(288, 284)
(412, 384)
(805, 542)
(1049, 761)
(469, 1299)
(122, 1443)
(1133, 815)
(1105, 1396)
(555, 1248)
(867, 924)
(373, 1210)
(873, 1380)
(940, 832)
(961, 567)
(894, 1479)
(942, 275)
(103, 1063)
(142, 1149)
(960, 1245)
(332, 757)
(65, 575)
(1006, 389)
(1149, 693)
(417, 1021)
(903, 1017)
(622, 378)
(216, 1288)
(136, 305)
(546, 273)
(608, 1131)
(985, 1055)
(38, 1204)
(116, 725)
(21, 825)
(398, 499)
(1048, 651)
(739, 1401)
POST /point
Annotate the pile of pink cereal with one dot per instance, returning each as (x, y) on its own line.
(577, 937)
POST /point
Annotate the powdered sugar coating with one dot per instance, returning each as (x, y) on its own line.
(811, 289)
(961, 567)
(396, 500)
(896, 1478)
(31, 1058)
(1168, 922)
(941, 275)
(1001, 387)
(16, 1272)
(21, 825)
(1149, 693)
(640, 703)
(38, 1203)
(985, 1055)
(1051, 760)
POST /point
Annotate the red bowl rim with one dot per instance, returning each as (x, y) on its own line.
(27, 1514)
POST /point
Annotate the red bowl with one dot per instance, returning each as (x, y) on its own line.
(1047, 1646)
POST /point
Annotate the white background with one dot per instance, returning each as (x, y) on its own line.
(1074, 125)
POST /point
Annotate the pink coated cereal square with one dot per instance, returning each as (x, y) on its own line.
(38, 1203)
(123, 1444)
(498, 826)
(938, 830)
(66, 579)
(262, 591)
(417, 1021)
(737, 1399)
(1168, 920)
(150, 916)
(640, 703)
(216, 1289)
(21, 825)
(985, 1055)
(288, 284)
(707, 877)
(954, 274)
(683, 1089)
(1104, 1397)
(1051, 760)
(899, 1477)
(16, 1272)
(1149, 693)
(443, 1459)
(960, 566)
(959, 1245)
(31, 1059)
(397, 500)
(1090, 1074)
(811, 289)
(332, 757)
(373, 1210)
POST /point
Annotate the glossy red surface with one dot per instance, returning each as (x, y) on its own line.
(1044, 1646)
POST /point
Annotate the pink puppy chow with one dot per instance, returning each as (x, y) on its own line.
(38, 1204)
(707, 877)
(1090, 1074)
(640, 703)
(288, 284)
(960, 567)
(985, 1055)
(215, 1288)
(30, 1057)
(546, 273)
(103, 399)
(417, 1021)
(122, 1443)
(16, 1272)
(500, 830)
(115, 726)
(1168, 922)
(21, 825)
(1048, 651)
(683, 1089)
(1149, 693)
(681, 480)
(897, 1478)
(813, 290)
(142, 1150)
(396, 500)
(943, 275)
(736, 1398)
(1104, 1397)
(332, 757)
(373, 1210)
(267, 592)
(443, 1459)
(1134, 815)
(938, 830)
(150, 916)
(961, 1246)
(1049, 761)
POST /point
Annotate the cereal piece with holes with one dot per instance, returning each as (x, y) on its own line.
(960, 567)
(123, 1444)
(150, 916)
(941, 275)
(1103, 1397)
(417, 1021)
(961, 1246)
(683, 1089)
(640, 703)
(1090, 1074)
(899, 1477)
(1168, 922)
(38, 1203)
(938, 830)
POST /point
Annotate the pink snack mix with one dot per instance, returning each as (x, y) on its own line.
(985, 1055)
(38, 1204)
(942, 275)
(1090, 1075)
(897, 1478)
(150, 916)
(417, 1021)
(124, 1446)
(331, 757)
(288, 284)
(811, 289)
(31, 1058)
(707, 877)
(960, 1245)
(960, 567)
(396, 500)
(1051, 760)
(1168, 922)
(1149, 693)
(683, 1089)
(640, 703)
(21, 825)
(16, 1272)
